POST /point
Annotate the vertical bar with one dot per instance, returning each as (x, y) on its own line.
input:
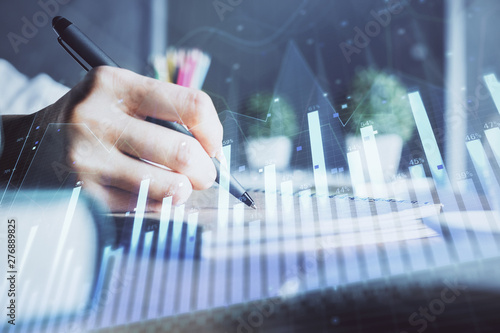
(379, 191)
(485, 239)
(309, 244)
(27, 248)
(373, 158)
(160, 261)
(494, 88)
(416, 252)
(356, 173)
(366, 232)
(288, 213)
(107, 318)
(173, 262)
(429, 142)
(255, 275)
(439, 173)
(139, 302)
(68, 218)
(237, 271)
(132, 253)
(225, 174)
(351, 253)
(203, 287)
(187, 274)
(493, 137)
(271, 229)
(72, 293)
(456, 67)
(319, 170)
(222, 221)
(99, 285)
(32, 309)
(417, 174)
(485, 172)
(57, 296)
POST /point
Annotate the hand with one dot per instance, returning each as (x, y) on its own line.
(109, 108)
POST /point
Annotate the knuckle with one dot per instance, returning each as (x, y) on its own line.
(197, 101)
(183, 156)
(184, 190)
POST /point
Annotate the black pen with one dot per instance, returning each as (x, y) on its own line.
(74, 40)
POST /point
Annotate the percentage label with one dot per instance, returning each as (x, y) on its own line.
(473, 136)
(399, 176)
(491, 124)
(227, 142)
(352, 148)
(417, 161)
(315, 107)
(366, 123)
(343, 190)
(464, 175)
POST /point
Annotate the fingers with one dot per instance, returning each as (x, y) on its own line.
(143, 97)
(115, 170)
(172, 149)
(118, 200)
(113, 103)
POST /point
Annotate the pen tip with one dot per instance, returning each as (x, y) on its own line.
(60, 23)
(253, 206)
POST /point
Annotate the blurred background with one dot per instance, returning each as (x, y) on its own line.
(426, 45)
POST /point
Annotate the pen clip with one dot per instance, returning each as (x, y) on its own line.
(70, 51)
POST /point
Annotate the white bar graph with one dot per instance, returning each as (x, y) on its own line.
(288, 218)
(439, 173)
(439, 251)
(319, 171)
(373, 158)
(222, 222)
(63, 281)
(173, 262)
(310, 268)
(366, 232)
(132, 253)
(417, 257)
(350, 253)
(187, 274)
(494, 88)
(98, 288)
(484, 239)
(54, 269)
(203, 284)
(107, 317)
(255, 253)
(271, 230)
(160, 261)
(140, 291)
(356, 173)
(493, 137)
(485, 173)
(237, 275)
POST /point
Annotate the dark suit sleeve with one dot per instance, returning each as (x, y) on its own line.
(34, 145)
